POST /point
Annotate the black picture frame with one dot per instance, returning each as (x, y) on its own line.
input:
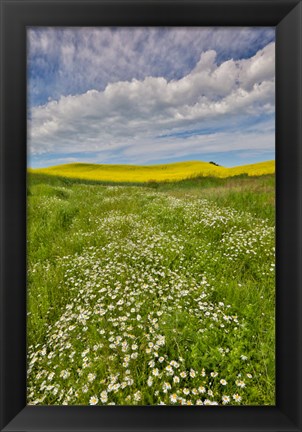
(16, 16)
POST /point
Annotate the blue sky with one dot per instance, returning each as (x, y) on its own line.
(151, 95)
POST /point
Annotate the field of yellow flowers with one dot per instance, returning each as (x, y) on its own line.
(156, 173)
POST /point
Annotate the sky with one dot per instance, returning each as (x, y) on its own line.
(150, 95)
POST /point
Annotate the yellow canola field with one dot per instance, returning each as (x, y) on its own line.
(158, 173)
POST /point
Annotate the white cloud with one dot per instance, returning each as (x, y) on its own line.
(127, 116)
(66, 61)
(214, 143)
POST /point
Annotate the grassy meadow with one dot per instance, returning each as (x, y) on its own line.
(151, 292)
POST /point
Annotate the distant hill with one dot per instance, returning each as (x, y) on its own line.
(144, 173)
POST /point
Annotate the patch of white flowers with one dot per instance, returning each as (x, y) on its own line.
(122, 338)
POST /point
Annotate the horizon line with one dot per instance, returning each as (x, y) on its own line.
(149, 165)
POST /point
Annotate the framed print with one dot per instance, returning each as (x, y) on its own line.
(151, 274)
(150, 226)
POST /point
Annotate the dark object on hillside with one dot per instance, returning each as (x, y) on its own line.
(214, 163)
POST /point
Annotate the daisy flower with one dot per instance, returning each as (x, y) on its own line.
(237, 398)
(137, 396)
(91, 377)
(192, 373)
(173, 398)
(225, 399)
(93, 400)
(104, 397)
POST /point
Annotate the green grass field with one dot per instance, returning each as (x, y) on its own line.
(159, 293)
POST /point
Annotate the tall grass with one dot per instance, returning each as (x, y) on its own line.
(159, 293)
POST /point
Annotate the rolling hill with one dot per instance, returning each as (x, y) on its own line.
(148, 173)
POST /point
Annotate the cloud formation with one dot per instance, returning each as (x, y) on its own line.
(64, 61)
(147, 119)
